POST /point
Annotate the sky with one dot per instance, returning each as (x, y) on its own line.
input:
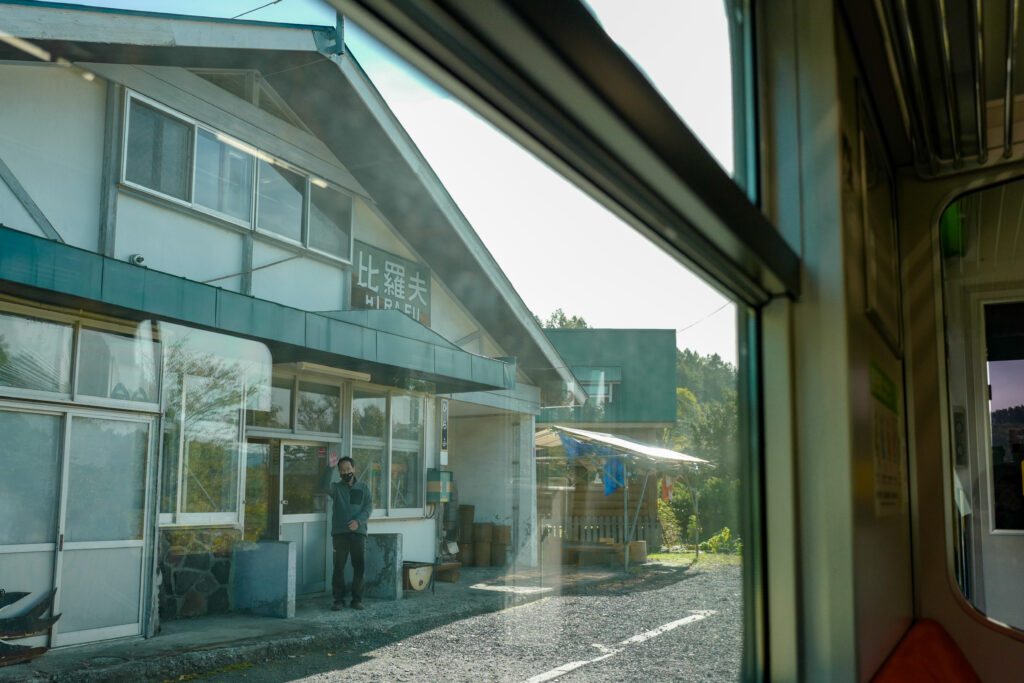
(558, 247)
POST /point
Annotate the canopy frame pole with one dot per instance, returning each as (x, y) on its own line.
(639, 503)
(625, 515)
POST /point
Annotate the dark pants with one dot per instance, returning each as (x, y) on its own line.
(346, 544)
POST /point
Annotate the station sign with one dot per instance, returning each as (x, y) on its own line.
(385, 281)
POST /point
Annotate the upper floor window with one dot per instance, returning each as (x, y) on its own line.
(157, 152)
(168, 154)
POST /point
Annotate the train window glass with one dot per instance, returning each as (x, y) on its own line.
(617, 506)
(668, 40)
(984, 306)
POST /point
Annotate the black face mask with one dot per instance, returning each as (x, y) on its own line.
(348, 478)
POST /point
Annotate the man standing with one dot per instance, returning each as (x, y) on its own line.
(351, 509)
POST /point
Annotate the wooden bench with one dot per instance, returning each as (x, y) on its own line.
(926, 653)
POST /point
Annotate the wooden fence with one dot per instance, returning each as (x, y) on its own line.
(593, 529)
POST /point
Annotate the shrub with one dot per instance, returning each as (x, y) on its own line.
(693, 530)
(722, 542)
(670, 531)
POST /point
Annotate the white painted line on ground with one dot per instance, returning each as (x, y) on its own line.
(696, 615)
(525, 590)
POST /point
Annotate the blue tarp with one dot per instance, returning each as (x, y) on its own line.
(614, 469)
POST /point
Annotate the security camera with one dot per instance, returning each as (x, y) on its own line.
(136, 259)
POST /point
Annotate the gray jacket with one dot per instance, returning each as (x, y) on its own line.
(350, 502)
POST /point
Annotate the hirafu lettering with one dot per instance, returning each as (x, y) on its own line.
(366, 272)
(388, 304)
(387, 282)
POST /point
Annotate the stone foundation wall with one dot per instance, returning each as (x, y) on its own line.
(196, 570)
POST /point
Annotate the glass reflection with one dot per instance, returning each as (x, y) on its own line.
(35, 354)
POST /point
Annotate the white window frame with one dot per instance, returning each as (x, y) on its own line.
(77, 324)
(292, 431)
(258, 155)
(179, 518)
(389, 443)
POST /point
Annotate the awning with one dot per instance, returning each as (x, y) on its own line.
(391, 351)
(617, 445)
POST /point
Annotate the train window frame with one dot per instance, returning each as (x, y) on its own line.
(709, 201)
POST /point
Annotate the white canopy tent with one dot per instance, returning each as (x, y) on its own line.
(598, 447)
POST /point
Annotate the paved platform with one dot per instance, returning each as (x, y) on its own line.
(187, 646)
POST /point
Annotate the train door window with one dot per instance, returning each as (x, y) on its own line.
(984, 302)
(1004, 351)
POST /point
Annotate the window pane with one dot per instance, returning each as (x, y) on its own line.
(319, 408)
(280, 201)
(223, 176)
(30, 451)
(303, 469)
(280, 414)
(35, 354)
(210, 457)
(330, 221)
(107, 456)
(208, 377)
(370, 464)
(369, 414)
(406, 478)
(117, 366)
(159, 149)
(683, 48)
(260, 491)
(407, 418)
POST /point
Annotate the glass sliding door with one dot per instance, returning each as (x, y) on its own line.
(77, 484)
(304, 512)
(100, 563)
(29, 492)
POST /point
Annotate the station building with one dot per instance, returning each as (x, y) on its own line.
(221, 259)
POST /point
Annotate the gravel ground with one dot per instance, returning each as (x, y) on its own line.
(524, 642)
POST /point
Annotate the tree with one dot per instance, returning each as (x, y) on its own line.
(558, 319)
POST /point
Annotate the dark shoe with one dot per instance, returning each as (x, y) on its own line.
(338, 605)
(356, 605)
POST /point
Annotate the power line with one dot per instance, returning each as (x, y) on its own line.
(272, 2)
(697, 322)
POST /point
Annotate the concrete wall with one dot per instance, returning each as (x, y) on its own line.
(492, 460)
(265, 579)
(417, 536)
(305, 283)
(175, 242)
(383, 567)
(53, 143)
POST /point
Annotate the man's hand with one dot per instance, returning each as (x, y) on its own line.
(353, 525)
(332, 458)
